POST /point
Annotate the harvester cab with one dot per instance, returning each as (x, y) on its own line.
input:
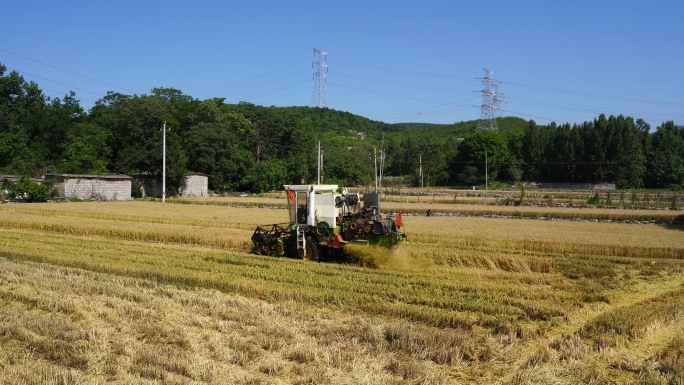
(322, 219)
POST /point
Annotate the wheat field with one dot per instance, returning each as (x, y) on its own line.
(152, 293)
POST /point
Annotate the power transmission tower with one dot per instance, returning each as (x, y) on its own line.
(490, 103)
(319, 99)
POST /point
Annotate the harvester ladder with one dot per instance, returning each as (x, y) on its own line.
(301, 240)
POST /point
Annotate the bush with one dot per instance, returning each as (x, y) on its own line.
(29, 191)
(136, 192)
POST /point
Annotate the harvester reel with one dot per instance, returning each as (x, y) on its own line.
(270, 241)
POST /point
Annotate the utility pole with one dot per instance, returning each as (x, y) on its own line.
(486, 171)
(490, 103)
(319, 162)
(421, 170)
(319, 98)
(375, 161)
(164, 164)
(382, 159)
(322, 164)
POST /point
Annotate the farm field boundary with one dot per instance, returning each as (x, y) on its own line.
(465, 299)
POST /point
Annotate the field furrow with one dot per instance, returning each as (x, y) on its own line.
(464, 300)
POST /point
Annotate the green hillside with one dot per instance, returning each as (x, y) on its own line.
(256, 148)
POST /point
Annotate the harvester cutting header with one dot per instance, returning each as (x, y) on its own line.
(322, 219)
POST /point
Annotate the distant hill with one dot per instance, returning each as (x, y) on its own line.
(460, 129)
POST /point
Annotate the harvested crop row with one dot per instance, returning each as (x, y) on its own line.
(435, 301)
(62, 325)
(631, 322)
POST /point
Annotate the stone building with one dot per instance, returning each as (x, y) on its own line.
(112, 187)
(195, 185)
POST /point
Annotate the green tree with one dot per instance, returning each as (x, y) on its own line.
(216, 150)
(666, 159)
(302, 155)
(630, 159)
(479, 154)
(21, 104)
(135, 124)
(51, 126)
(86, 149)
(268, 175)
(15, 156)
(536, 142)
(348, 166)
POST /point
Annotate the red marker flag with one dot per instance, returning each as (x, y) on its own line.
(399, 221)
(290, 195)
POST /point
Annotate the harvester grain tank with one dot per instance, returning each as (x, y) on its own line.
(322, 219)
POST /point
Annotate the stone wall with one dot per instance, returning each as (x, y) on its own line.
(574, 186)
(105, 187)
(195, 186)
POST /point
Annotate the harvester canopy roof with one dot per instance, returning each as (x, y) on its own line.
(311, 187)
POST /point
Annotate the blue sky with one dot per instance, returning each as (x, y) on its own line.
(394, 61)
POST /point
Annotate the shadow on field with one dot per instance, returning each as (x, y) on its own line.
(676, 224)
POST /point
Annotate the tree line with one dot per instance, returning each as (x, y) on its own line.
(247, 147)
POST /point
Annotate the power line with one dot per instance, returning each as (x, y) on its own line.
(52, 81)
(264, 82)
(64, 70)
(291, 85)
(411, 113)
(408, 85)
(409, 72)
(672, 104)
(579, 93)
(587, 109)
(255, 77)
(62, 93)
(531, 116)
(395, 95)
(286, 95)
(449, 110)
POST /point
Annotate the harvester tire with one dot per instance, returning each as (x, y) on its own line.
(312, 251)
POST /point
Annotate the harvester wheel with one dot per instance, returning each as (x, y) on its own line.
(312, 251)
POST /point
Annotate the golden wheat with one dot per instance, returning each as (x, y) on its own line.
(464, 299)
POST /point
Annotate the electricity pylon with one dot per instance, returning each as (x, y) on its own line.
(319, 99)
(490, 103)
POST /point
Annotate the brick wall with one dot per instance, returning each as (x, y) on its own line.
(195, 186)
(574, 186)
(110, 188)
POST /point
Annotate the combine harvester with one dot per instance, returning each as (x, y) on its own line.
(322, 219)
